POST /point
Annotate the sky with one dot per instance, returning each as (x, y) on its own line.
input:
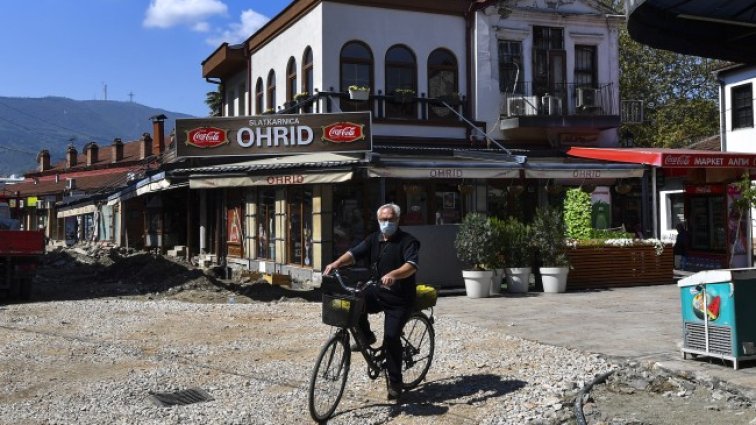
(146, 51)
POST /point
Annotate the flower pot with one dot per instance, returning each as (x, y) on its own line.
(554, 279)
(518, 279)
(477, 283)
(359, 94)
(498, 274)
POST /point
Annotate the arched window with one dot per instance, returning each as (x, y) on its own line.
(401, 82)
(308, 78)
(291, 79)
(259, 97)
(271, 90)
(443, 81)
(356, 70)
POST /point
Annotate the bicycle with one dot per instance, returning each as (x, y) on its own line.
(332, 366)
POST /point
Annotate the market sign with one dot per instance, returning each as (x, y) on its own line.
(273, 135)
(708, 160)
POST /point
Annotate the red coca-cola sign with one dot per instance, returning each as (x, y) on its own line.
(206, 137)
(677, 160)
(343, 132)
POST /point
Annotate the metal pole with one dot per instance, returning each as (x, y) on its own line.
(654, 204)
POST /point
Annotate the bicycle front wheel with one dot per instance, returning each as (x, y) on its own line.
(329, 377)
(418, 346)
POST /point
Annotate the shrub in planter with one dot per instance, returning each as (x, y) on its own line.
(475, 242)
(549, 237)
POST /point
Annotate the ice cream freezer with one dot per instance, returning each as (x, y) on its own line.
(719, 314)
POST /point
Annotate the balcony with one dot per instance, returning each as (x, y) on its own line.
(528, 114)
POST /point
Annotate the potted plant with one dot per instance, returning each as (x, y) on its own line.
(475, 247)
(299, 97)
(518, 250)
(403, 95)
(549, 237)
(359, 92)
(499, 246)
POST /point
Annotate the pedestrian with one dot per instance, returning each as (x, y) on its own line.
(393, 256)
(681, 245)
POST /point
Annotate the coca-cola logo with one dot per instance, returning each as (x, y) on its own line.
(206, 137)
(677, 160)
(343, 132)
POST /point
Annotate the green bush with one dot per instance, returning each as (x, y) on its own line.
(577, 214)
(518, 243)
(475, 242)
(549, 237)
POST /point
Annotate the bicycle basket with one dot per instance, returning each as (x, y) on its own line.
(341, 311)
(425, 297)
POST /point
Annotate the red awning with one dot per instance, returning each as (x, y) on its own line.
(669, 158)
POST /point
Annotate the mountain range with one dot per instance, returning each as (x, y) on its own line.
(28, 125)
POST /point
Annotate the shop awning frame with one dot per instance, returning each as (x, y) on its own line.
(668, 158)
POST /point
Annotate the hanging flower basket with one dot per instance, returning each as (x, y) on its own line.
(359, 93)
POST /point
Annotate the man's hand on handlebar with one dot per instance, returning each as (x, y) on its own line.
(330, 268)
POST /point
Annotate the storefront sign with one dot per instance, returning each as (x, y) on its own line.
(273, 135)
(705, 189)
(578, 139)
(708, 160)
(270, 180)
(582, 174)
(443, 173)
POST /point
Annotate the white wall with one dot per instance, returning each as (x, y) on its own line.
(581, 25)
(743, 139)
(292, 42)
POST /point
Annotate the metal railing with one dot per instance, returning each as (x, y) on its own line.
(559, 100)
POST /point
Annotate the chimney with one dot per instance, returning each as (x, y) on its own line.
(71, 156)
(145, 145)
(158, 131)
(117, 148)
(91, 150)
(43, 159)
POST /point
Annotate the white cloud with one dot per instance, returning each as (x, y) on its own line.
(169, 13)
(250, 22)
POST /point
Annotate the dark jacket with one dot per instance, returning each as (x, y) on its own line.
(386, 256)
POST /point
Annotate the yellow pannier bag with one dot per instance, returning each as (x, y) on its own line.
(426, 297)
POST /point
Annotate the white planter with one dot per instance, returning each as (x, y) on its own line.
(518, 279)
(554, 278)
(359, 94)
(477, 283)
(496, 281)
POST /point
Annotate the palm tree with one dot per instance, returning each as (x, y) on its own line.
(214, 101)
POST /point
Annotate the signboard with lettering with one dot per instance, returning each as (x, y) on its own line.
(273, 135)
(729, 160)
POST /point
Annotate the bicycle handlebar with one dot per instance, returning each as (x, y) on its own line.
(352, 289)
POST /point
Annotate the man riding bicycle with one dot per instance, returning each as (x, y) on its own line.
(393, 256)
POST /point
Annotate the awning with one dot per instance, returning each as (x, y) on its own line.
(156, 183)
(74, 211)
(669, 158)
(293, 178)
(313, 160)
(583, 172)
(443, 173)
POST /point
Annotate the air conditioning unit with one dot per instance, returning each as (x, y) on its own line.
(587, 98)
(552, 105)
(522, 105)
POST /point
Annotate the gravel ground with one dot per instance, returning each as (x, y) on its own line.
(109, 329)
(97, 361)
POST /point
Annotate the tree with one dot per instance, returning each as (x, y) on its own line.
(679, 93)
(214, 101)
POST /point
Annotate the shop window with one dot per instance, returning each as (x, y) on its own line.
(742, 106)
(442, 81)
(271, 89)
(266, 224)
(401, 74)
(308, 78)
(299, 226)
(349, 218)
(707, 223)
(510, 67)
(291, 79)
(549, 61)
(356, 69)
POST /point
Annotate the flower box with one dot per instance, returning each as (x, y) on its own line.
(359, 93)
(619, 266)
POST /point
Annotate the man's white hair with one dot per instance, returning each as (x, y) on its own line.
(397, 210)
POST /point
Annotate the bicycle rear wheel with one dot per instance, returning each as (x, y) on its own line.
(418, 346)
(329, 377)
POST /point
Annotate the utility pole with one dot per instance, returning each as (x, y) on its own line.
(131, 97)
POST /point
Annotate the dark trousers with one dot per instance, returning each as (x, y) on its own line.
(397, 310)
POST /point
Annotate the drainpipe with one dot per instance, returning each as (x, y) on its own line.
(722, 116)
(469, 30)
